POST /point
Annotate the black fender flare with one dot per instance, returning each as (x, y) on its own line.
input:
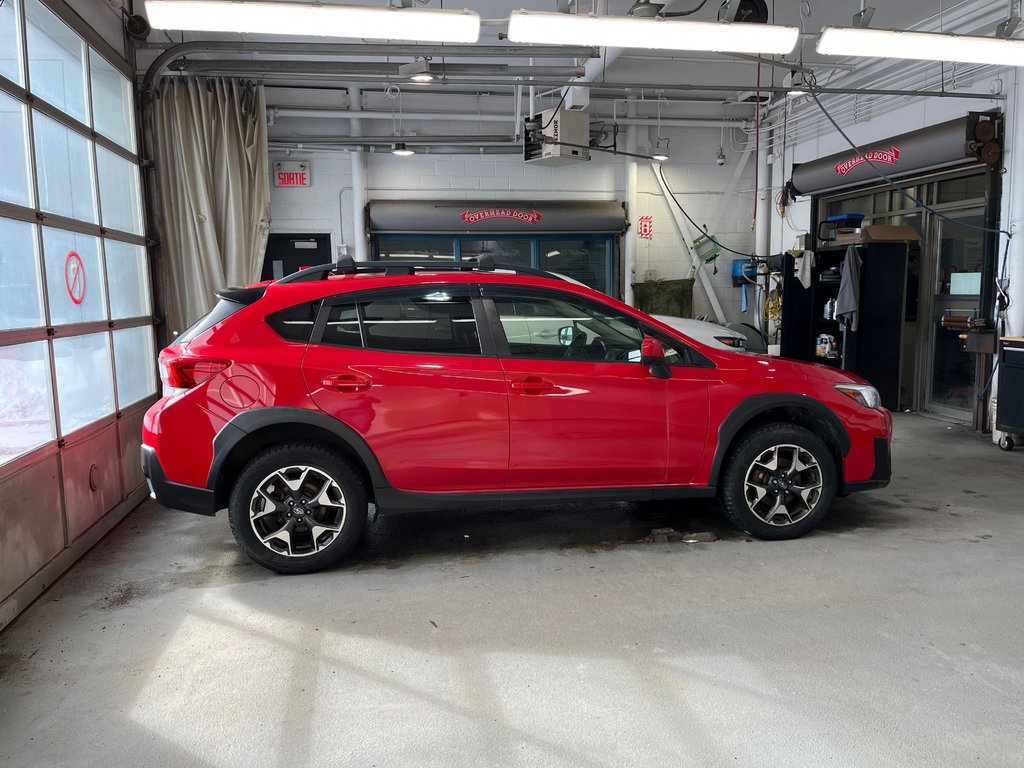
(248, 422)
(753, 406)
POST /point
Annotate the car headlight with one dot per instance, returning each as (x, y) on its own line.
(731, 341)
(864, 394)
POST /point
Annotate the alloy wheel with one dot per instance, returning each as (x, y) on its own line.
(297, 511)
(783, 484)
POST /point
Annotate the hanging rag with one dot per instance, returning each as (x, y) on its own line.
(743, 300)
(804, 265)
(848, 300)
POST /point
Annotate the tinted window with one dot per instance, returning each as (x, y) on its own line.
(223, 310)
(295, 323)
(343, 326)
(563, 327)
(436, 322)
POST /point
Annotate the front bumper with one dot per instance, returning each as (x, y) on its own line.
(187, 498)
(881, 474)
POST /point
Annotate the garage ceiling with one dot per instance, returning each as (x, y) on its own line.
(308, 79)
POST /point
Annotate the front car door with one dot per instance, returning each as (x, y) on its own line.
(583, 411)
(409, 370)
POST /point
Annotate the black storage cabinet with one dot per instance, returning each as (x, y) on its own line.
(875, 349)
(1010, 408)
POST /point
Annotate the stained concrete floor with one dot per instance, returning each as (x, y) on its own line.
(894, 635)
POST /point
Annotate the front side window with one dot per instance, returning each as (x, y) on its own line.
(553, 327)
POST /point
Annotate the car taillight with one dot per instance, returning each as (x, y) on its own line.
(182, 373)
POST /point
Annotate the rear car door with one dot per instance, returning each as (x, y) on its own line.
(583, 411)
(410, 371)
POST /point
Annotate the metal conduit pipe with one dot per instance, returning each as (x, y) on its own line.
(389, 139)
(302, 146)
(358, 49)
(362, 68)
(361, 251)
(678, 122)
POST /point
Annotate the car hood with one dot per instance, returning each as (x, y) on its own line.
(767, 366)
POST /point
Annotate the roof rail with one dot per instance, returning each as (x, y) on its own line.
(346, 266)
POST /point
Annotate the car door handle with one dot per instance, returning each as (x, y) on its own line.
(532, 384)
(346, 382)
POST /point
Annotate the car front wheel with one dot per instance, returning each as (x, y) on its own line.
(297, 508)
(778, 482)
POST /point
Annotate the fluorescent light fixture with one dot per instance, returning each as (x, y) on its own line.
(658, 33)
(401, 150)
(660, 150)
(418, 71)
(923, 46)
(281, 18)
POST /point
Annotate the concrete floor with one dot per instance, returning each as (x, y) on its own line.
(892, 636)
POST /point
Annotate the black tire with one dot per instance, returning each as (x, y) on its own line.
(298, 508)
(783, 502)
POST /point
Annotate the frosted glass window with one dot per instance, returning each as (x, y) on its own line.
(26, 402)
(56, 62)
(127, 280)
(135, 362)
(120, 200)
(10, 42)
(112, 102)
(85, 387)
(74, 277)
(64, 168)
(14, 165)
(21, 296)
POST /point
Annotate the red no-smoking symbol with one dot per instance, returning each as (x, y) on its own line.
(74, 277)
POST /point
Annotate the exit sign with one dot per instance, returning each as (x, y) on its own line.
(292, 175)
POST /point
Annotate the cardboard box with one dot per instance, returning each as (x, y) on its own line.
(877, 233)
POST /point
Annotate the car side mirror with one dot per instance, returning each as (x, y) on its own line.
(565, 335)
(652, 354)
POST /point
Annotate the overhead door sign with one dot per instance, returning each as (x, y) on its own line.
(74, 277)
(527, 217)
(292, 175)
(886, 156)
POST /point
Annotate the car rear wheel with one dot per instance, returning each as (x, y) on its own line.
(779, 482)
(297, 508)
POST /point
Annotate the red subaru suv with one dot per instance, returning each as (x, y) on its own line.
(299, 403)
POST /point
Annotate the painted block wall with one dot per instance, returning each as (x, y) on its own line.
(691, 172)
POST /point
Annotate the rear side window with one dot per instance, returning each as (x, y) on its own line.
(431, 323)
(342, 326)
(222, 311)
(295, 323)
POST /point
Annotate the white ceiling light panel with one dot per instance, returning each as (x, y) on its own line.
(352, 21)
(923, 46)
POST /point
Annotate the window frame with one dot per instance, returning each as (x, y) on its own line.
(361, 297)
(689, 358)
(32, 103)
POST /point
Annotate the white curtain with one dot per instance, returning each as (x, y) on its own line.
(211, 153)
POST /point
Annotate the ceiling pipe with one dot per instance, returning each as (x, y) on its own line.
(367, 68)
(305, 148)
(358, 49)
(601, 89)
(678, 122)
